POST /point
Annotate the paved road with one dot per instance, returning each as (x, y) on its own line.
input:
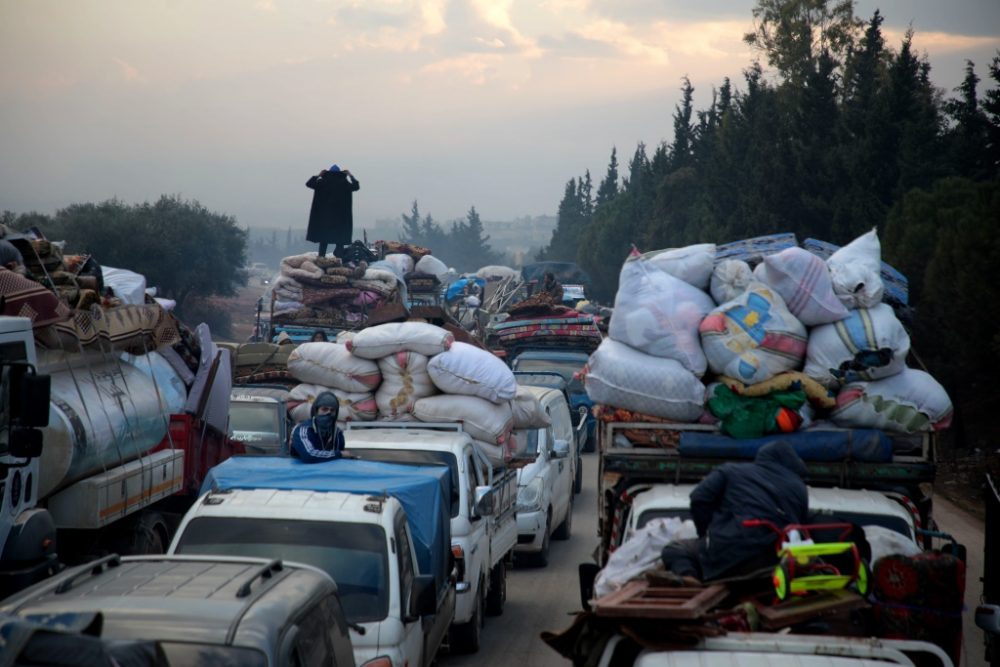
(543, 599)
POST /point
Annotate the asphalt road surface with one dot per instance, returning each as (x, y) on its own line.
(541, 599)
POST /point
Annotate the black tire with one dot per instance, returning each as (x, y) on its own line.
(467, 637)
(565, 529)
(591, 444)
(497, 596)
(145, 535)
(578, 480)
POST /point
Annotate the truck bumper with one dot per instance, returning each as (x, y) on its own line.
(530, 531)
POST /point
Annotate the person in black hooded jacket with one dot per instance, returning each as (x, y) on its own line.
(770, 488)
(319, 439)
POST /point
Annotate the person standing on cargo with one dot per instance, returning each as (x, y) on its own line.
(331, 219)
(319, 439)
(770, 488)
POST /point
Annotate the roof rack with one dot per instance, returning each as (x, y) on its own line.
(263, 573)
(95, 568)
(404, 426)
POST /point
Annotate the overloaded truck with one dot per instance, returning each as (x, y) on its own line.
(805, 347)
(128, 434)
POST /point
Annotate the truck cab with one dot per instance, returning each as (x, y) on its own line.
(567, 363)
(545, 484)
(397, 595)
(482, 509)
(258, 417)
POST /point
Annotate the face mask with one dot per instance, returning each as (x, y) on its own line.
(326, 426)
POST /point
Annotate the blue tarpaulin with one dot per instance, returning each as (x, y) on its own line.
(458, 287)
(423, 491)
(866, 445)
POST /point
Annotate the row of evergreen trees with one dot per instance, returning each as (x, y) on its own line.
(846, 135)
(463, 246)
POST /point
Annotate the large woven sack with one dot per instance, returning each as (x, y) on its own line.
(869, 344)
(401, 263)
(626, 378)
(333, 365)
(753, 337)
(404, 381)
(856, 272)
(803, 281)
(496, 455)
(730, 278)
(528, 412)
(471, 371)
(354, 406)
(909, 402)
(481, 419)
(659, 314)
(431, 265)
(384, 339)
(692, 264)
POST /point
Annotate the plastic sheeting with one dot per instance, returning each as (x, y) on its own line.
(206, 401)
(867, 445)
(423, 491)
(128, 286)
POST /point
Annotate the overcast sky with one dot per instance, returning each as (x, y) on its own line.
(492, 103)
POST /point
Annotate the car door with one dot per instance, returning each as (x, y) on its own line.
(413, 631)
(563, 467)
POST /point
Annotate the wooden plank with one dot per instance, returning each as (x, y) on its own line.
(801, 609)
(639, 599)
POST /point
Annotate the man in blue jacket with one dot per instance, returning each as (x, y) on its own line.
(770, 488)
(319, 439)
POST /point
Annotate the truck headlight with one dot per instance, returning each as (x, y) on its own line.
(529, 496)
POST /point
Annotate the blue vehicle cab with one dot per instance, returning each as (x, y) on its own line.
(566, 363)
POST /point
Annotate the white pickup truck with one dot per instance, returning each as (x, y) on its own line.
(482, 544)
(388, 550)
(545, 485)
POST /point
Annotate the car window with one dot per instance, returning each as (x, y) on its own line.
(312, 642)
(353, 554)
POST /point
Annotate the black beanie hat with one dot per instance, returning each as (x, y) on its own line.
(326, 399)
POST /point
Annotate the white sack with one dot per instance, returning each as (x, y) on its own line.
(626, 378)
(128, 286)
(659, 314)
(385, 339)
(867, 345)
(401, 263)
(472, 371)
(333, 365)
(354, 406)
(692, 264)
(404, 380)
(497, 272)
(803, 281)
(887, 542)
(730, 278)
(344, 336)
(431, 265)
(496, 455)
(909, 402)
(481, 419)
(528, 412)
(641, 553)
(856, 271)
(753, 337)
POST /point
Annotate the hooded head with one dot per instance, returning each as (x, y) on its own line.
(10, 257)
(334, 169)
(783, 454)
(326, 399)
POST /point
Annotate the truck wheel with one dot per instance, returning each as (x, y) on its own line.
(578, 480)
(497, 596)
(146, 534)
(565, 529)
(465, 638)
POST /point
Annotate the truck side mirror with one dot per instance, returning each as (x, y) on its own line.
(30, 402)
(25, 443)
(988, 618)
(423, 597)
(484, 501)
(560, 449)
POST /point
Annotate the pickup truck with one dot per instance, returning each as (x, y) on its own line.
(545, 484)
(843, 644)
(380, 530)
(567, 363)
(483, 520)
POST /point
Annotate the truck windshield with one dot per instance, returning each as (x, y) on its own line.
(565, 367)
(354, 554)
(257, 425)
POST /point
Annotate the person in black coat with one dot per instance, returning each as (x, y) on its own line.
(770, 488)
(331, 219)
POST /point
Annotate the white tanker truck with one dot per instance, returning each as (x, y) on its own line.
(100, 450)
